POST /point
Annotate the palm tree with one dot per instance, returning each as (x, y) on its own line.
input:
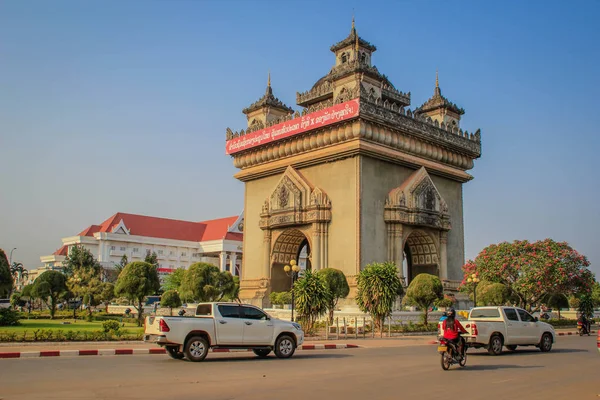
(18, 271)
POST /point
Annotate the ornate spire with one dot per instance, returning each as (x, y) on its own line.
(439, 101)
(268, 100)
(353, 40)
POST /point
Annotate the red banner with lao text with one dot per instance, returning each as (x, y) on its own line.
(318, 119)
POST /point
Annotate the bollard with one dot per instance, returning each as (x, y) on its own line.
(390, 327)
(345, 329)
(337, 323)
(355, 328)
(364, 329)
(372, 328)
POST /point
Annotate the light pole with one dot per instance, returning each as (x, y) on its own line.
(474, 280)
(292, 270)
(10, 261)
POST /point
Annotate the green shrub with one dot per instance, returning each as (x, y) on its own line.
(562, 322)
(111, 326)
(8, 317)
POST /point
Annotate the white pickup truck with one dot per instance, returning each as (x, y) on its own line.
(223, 326)
(495, 327)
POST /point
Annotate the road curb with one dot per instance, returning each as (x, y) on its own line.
(573, 333)
(122, 352)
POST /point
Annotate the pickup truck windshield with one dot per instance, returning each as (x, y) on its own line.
(485, 313)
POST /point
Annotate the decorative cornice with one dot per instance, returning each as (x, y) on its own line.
(422, 127)
(346, 148)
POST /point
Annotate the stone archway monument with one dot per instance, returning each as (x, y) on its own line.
(355, 177)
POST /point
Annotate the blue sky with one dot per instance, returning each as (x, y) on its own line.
(122, 106)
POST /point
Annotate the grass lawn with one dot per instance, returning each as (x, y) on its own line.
(79, 325)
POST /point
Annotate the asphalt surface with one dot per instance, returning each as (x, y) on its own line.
(570, 371)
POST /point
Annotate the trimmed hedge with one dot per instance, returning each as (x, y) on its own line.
(58, 335)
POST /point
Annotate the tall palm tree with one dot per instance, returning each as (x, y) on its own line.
(18, 271)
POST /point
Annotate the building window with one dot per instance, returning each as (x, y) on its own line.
(183, 254)
(112, 247)
(170, 253)
(172, 266)
(196, 255)
(136, 250)
(344, 58)
(160, 252)
(123, 248)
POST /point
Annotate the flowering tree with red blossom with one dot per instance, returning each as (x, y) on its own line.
(532, 270)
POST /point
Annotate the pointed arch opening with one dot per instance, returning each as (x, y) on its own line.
(420, 255)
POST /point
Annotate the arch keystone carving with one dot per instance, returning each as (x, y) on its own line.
(294, 201)
(417, 202)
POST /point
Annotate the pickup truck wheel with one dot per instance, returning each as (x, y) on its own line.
(173, 352)
(196, 348)
(262, 353)
(512, 347)
(546, 343)
(495, 346)
(284, 346)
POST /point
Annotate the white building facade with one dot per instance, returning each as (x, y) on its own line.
(177, 244)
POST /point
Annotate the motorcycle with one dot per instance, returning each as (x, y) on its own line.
(449, 354)
(583, 329)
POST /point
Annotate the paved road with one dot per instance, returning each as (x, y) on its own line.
(570, 371)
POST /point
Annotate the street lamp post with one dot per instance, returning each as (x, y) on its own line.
(474, 280)
(10, 260)
(292, 270)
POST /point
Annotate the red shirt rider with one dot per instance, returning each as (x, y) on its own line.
(452, 334)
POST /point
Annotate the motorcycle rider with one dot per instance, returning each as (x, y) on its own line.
(452, 329)
(585, 323)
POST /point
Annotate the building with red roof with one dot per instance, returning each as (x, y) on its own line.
(177, 244)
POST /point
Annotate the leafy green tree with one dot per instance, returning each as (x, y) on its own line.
(138, 280)
(532, 270)
(121, 265)
(311, 298)
(107, 294)
(596, 294)
(173, 280)
(151, 258)
(586, 306)
(492, 294)
(337, 284)
(557, 301)
(378, 287)
(49, 287)
(170, 299)
(6, 279)
(574, 302)
(15, 299)
(84, 276)
(424, 291)
(233, 293)
(204, 282)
